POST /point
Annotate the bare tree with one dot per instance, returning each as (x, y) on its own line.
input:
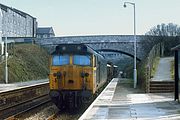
(168, 35)
(170, 29)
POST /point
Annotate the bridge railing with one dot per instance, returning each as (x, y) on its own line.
(146, 67)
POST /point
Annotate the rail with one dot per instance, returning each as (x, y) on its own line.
(53, 116)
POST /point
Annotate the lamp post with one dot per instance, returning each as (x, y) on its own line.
(135, 70)
(6, 55)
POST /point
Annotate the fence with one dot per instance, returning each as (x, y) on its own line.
(145, 67)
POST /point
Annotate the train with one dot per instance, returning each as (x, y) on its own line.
(77, 72)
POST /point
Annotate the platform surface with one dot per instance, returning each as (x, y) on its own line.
(17, 85)
(120, 101)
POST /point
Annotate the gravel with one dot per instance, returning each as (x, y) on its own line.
(43, 114)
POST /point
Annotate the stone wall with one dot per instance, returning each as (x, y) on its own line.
(119, 43)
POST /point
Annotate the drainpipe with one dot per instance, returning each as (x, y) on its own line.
(1, 42)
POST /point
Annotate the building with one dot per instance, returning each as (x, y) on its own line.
(15, 23)
(45, 32)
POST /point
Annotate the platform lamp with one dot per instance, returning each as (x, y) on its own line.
(135, 70)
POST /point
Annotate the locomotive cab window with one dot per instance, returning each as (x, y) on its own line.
(60, 60)
(84, 60)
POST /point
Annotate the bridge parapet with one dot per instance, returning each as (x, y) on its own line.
(89, 39)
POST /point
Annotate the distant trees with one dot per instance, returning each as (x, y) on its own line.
(170, 29)
(168, 35)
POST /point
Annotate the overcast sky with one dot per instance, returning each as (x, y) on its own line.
(98, 17)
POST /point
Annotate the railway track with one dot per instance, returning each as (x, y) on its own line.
(15, 102)
(26, 109)
(27, 101)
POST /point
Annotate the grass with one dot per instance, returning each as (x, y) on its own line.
(172, 69)
(29, 62)
(155, 65)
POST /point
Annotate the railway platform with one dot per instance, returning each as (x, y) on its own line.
(119, 100)
(18, 85)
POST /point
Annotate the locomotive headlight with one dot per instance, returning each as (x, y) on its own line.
(86, 74)
(82, 74)
(58, 75)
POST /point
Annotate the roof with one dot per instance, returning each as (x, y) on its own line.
(76, 49)
(176, 48)
(45, 30)
(23, 14)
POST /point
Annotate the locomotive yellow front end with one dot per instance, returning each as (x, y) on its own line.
(71, 76)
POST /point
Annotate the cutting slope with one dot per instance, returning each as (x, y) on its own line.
(28, 62)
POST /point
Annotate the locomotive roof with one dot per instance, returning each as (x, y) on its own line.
(75, 49)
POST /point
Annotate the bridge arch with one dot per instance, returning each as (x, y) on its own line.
(118, 51)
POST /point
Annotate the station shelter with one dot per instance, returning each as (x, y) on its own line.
(176, 71)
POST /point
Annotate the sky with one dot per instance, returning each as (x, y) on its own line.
(98, 17)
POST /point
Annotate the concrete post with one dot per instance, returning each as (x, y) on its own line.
(162, 49)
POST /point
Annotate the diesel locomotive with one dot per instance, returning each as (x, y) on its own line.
(77, 72)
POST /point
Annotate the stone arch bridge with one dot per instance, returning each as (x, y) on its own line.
(109, 45)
